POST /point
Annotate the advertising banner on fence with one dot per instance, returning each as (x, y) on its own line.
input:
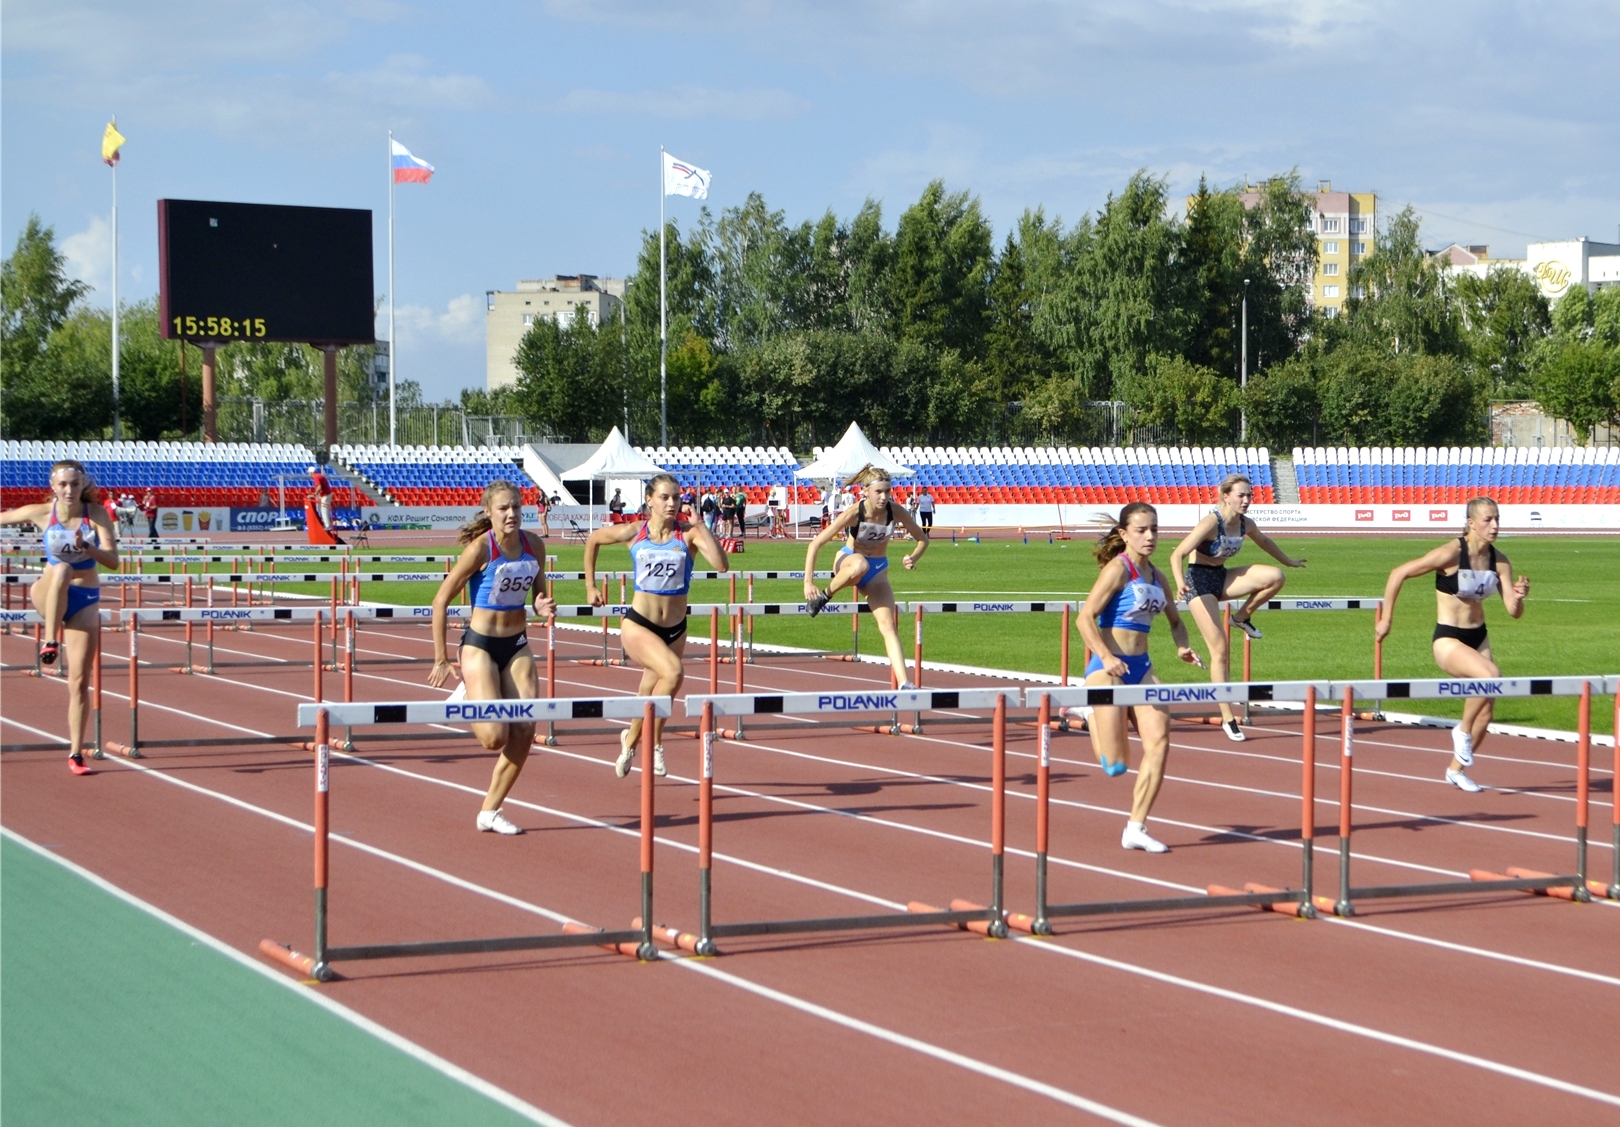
(1281, 518)
(447, 517)
(204, 519)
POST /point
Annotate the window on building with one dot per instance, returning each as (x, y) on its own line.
(1330, 226)
(1358, 291)
(528, 319)
(565, 318)
(1358, 226)
(1330, 291)
(1358, 248)
(1330, 268)
(1330, 311)
(1331, 247)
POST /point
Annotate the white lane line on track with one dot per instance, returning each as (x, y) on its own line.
(1323, 1020)
(1038, 1087)
(901, 1040)
(353, 1017)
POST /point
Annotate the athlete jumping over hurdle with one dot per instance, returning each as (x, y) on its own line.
(1467, 571)
(653, 630)
(502, 566)
(1206, 580)
(863, 561)
(78, 536)
(1115, 622)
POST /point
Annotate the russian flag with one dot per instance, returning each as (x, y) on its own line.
(409, 169)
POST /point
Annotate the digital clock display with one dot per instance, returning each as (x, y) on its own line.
(265, 272)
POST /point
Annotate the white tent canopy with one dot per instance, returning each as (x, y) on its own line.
(852, 454)
(614, 458)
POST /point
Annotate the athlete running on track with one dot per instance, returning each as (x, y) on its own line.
(863, 561)
(79, 537)
(1115, 622)
(653, 631)
(1206, 581)
(1467, 571)
(503, 568)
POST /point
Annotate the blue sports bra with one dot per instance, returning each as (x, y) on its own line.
(503, 584)
(59, 542)
(1135, 605)
(661, 568)
(1221, 546)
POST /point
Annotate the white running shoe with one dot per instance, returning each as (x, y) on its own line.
(1136, 837)
(658, 761)
(1462, 782)
(1462, 746)
(493, 821)
(1248, 627)
(457, 693)
(1079, 714)
(1233, 730)
(907, 687)
(627, 752)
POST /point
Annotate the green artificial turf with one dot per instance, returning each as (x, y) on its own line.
(1571, 623)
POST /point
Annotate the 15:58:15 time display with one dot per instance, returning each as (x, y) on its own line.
(219, 328)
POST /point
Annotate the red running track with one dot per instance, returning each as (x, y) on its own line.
(1497, 1009)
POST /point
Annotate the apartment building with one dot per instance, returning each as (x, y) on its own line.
(508, 315)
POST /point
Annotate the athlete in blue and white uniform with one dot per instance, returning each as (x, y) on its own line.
(503, 569)
(653, 629)
(1204, 580)
(1467, 571)
(79, 537)
(862, 563)
(1115, 621)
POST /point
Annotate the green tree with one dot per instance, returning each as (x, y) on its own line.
(567, 377)
(942, 264)
(1505, 319)
(1016, 360)
(1434, 401)
(36, 299)
(1284, 405)
(1400, 299)
(1200, 406)
(1580, 383)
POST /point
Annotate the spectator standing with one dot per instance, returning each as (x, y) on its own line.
(709, 511)
(616, 505)
(925, 508)
(728, 512)
(741, 503)
(149, 509)
(322, 488)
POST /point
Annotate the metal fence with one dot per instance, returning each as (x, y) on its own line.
(250, 419)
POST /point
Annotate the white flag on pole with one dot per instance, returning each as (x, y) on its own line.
(682, 179)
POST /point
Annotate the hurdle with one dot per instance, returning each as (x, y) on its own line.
(637, 942)
(1303, 899)
(1571, 886)
(707, 707)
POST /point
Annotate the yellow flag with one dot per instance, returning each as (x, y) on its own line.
(111, 142)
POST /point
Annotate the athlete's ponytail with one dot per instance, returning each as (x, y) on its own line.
(1112, 542)
(480, 522)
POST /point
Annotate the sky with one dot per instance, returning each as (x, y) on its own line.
(544, 120)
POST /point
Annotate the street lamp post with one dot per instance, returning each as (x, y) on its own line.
(1243, 377)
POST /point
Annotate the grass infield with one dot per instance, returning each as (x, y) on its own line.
(1571, 623)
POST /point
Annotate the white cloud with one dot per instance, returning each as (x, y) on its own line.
(461, 322)
(690, 103)
(89, 255)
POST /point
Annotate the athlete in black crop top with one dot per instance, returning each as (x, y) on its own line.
(1467, 571)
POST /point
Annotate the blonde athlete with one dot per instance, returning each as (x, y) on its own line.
(502, 568)
(653, 631)
(1467, 571)
(862, 562)
(1115, 622)
(79, 537)
(1206, 580)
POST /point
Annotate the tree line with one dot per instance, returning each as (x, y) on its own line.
(931, 333)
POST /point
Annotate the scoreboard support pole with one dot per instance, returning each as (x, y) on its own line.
(329, 368)
(210, 405)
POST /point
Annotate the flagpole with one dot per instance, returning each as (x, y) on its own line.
(393, 348)
(117, 415)
(663, 341)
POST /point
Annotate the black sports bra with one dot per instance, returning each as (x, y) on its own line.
(1465, 583)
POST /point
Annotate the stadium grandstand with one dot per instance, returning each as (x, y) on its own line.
(180, 473)
(1514, 475)
(1082, 475)
(432, 475)
(757, 469)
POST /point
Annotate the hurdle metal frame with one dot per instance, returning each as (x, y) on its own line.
(708, 706)
(637, 942)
